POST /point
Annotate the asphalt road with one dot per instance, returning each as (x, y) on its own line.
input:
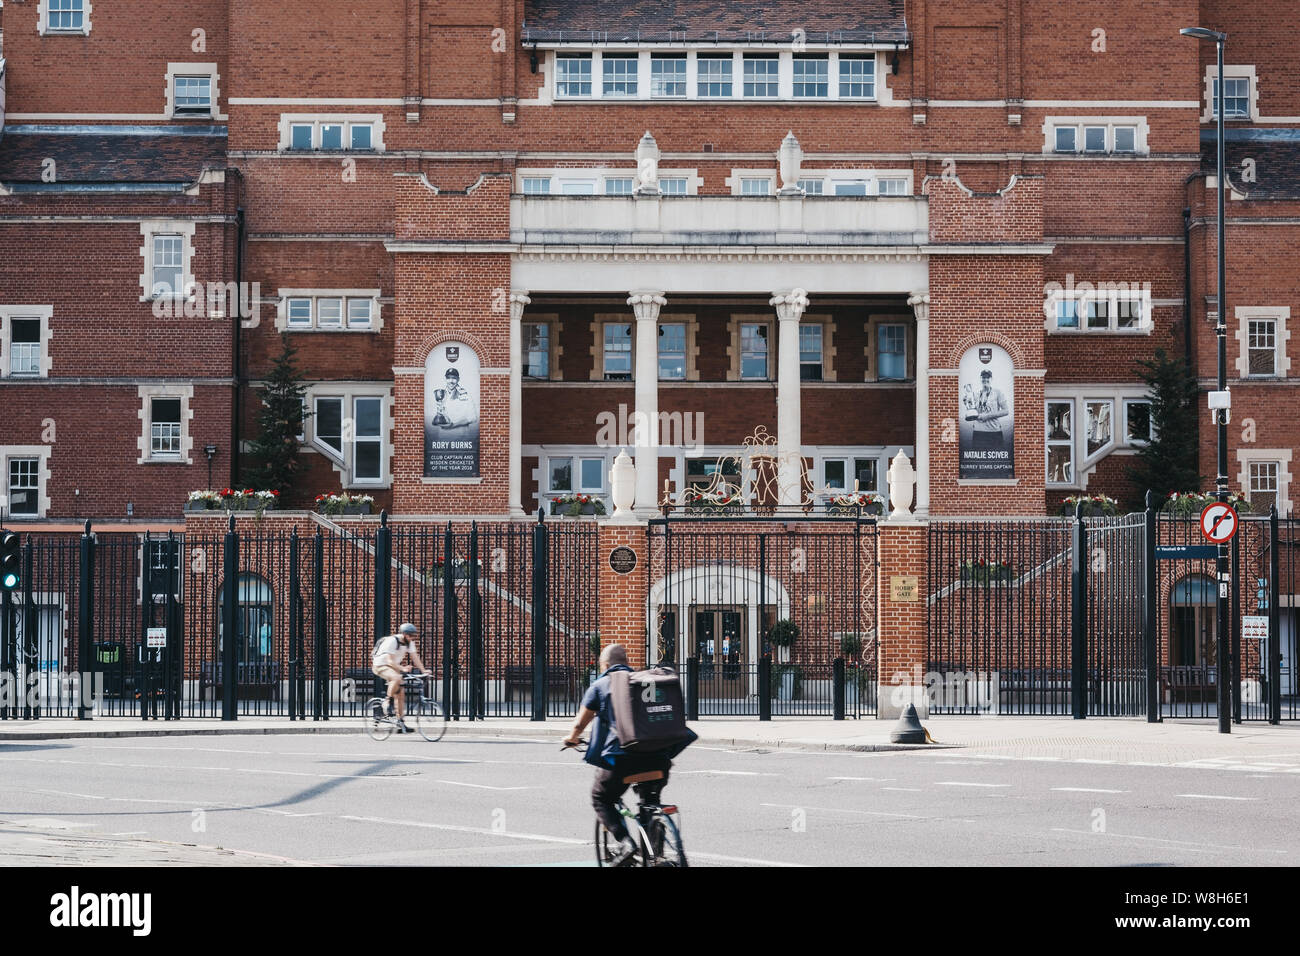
(347, 800)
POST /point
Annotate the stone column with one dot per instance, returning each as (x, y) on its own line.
(645, 306)
(790, 307)
(518, 301)
(920, 303)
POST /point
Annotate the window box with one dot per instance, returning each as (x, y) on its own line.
(1191, 503)
(228, 499)
(344, 504)
(861, 504)
(987, 573)
(574, 506)
(1094, 506)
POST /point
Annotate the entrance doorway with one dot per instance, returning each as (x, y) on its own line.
(1192, 675)
(720, 644)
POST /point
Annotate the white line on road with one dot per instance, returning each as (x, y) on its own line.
(482, 786)
(1087, 790)
(904, 789)
(1211, 796)
(865, 813)
(544, 838)
(966, 783)
(727, 773)
(1147, 839)
(868, 779)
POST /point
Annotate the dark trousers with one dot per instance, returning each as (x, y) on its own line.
(608, 788)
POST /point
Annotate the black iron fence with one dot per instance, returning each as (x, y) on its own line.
(760, 608)
(117, 624)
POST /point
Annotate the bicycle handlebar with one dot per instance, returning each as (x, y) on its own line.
(582, 742)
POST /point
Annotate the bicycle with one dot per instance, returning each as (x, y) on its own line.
(424, 715)
(653, 826)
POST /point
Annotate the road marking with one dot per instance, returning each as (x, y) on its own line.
(965, 783)
(1086, 790)
(904, 789)
(727, 773)
(544, 838)
(481, 786)
(1147, 839)
(1211, 796)
(868, 779)
(865, 813)
(1091, 760)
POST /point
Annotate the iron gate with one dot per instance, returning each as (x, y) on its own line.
(1037, 617)
(718, 588)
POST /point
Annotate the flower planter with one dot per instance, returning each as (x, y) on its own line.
(362, 509)
(870, 510)
(193, 506)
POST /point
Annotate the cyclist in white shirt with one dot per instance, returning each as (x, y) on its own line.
(390, 653)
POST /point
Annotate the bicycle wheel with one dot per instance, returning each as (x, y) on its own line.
(379, 728)
(430, 720)
(666, 842)
(607, 847)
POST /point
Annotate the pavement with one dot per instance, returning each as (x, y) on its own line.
(1122, 740)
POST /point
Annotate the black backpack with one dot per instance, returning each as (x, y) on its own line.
(650, 711)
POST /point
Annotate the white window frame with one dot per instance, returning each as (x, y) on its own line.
(685, 350)
(835, 54)
(357, 439)
(740, 349)
(7, 314)
(1102, 291)
(595, 73)
(575, 460)
(829, 178)
(847, 457)
(736, 181)
(1280, 316)
(151, 228)
(175, 70)
(42, 454)
(346, 296)
(1129, 440)
(768, 79)
(1248, 456)
(43, 21)
(630, 77)
(1141, 134)
(604, 351)
(347, 120)
(1235, 72)
(344, 462)
(146, 394)
(876, 329)
(1079, 395)
(550, 349)
(558, 177)
(1071, 442)
(821, 350)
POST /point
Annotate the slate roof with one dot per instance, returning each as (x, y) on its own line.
(1276, 157)
(668, 21)
(89, 155)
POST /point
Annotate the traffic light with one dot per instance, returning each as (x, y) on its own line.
(10, 560)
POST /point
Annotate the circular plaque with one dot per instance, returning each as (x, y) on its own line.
(622, 559)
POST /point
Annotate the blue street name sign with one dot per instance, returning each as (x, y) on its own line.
(1186, 552)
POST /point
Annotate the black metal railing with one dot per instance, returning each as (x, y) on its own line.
(132, 625)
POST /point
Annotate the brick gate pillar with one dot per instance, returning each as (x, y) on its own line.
(622, 610)
(901, 590)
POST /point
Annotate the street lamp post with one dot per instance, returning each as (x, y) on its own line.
(1220, 413)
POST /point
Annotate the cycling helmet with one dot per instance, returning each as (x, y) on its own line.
(408, 628)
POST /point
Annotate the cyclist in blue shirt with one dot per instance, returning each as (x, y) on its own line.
(612, 763)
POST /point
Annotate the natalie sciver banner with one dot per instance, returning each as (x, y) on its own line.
(986, 386)
(451, 412)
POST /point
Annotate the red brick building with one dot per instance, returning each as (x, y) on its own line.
(821, 220)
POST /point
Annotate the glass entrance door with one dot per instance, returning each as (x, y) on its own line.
(720, 645)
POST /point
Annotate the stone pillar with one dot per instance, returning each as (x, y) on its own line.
(518, 301)
(645, 306)
(622, 610)
(790, 307)
(900, 617)
(920, 303)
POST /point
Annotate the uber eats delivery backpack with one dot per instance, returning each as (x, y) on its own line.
(650, 711)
